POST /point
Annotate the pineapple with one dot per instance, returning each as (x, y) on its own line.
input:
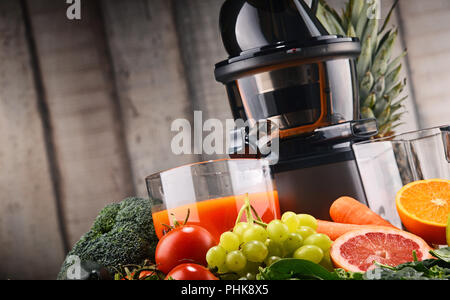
(378, 72)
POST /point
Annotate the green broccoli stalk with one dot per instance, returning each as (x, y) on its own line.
(122, 234)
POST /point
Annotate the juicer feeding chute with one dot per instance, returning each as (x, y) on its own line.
(285, 67)
(287, 72)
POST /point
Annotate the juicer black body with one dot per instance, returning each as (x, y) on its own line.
(286, 69)
(313, 171)
(313, 189)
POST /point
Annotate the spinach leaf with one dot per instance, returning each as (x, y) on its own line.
(443, 254)
(291, 268)
(429, 269)
(345, 275)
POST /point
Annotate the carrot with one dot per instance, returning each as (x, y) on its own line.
(335, 230)
(349, 211)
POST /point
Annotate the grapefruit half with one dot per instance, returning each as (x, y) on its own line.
(357, 250)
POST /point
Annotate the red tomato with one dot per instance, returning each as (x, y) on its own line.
(186, 244)
(190, 272)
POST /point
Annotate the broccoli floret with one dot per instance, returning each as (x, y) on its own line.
(122, 233)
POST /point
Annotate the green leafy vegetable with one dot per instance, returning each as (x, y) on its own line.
(430, 269)
(443, 254)
(122, 234)
(291, 268)
(435, 269)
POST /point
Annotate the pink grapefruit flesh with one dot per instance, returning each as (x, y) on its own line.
(357, 250)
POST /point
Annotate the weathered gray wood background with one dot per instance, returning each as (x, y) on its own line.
(86, 106)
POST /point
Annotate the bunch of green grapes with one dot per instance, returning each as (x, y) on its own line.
(250, 246)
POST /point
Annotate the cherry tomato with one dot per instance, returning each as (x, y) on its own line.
(186, 244)
(190, 272)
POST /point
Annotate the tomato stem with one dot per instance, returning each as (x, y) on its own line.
(260, 223)
(187, 216)
(239, 217)
(248, 210)
(256, 214)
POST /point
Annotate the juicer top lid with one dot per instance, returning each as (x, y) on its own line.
(262, 33)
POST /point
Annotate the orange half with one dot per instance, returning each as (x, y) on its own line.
(423, 207)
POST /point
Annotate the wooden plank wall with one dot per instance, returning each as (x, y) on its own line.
(151, 82)
(200, 50)
(86, 106)
(80, 94)
(426, 29)
(30, 241)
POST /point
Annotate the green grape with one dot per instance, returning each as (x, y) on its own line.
(320, 240)
(326, 261)
(305, 231)
(275, 249)
(229, 241)
(235, 261)
(215, 257)
(255, 233)
(223, 268)
(250, 276)
(307, 220)
(309, 252)
(291, 220)
(240, 228)
(250, 267)
(255, 251)
(271, 259)
(277, 231)
(293, 242)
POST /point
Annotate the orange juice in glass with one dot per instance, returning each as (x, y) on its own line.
(213, 192)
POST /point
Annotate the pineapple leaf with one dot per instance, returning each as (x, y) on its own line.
(366, 85)
(392, 78)
(380, 106)
(371, 31)
(382, 38)
(332, 20)
(396, 90)
(396, 62)
(361, 24)
(387, 44)
(351, 31)
(395, 108)
(388, 18)
(321, 15)
(379, 87)
(370, 101)
(365, 59)
(396, 125)
(367, 113)
(333, 12)
(380, 64)
(397, 116)
(378, 73)
(356, 7)
(384, 117)
(399, 102)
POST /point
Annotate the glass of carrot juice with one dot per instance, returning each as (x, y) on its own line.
(213, 193)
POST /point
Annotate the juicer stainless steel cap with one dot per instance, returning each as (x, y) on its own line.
(285, 69)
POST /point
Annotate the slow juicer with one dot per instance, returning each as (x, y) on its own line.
(284, 68)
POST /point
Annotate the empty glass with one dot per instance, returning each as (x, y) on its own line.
(387, 164)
